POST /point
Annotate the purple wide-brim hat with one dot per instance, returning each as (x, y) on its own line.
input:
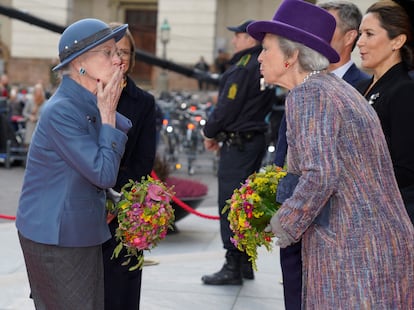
(301, 22)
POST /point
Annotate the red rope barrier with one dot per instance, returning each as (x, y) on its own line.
(7, 217)
(185, 206)
(177, 200)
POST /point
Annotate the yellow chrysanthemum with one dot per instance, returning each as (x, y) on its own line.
(250, 209)
(144, 215)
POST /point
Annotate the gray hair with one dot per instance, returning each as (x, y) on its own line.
(349, 15)
(309, 59)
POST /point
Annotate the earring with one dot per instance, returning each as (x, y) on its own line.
(287, 64)
(82, 71)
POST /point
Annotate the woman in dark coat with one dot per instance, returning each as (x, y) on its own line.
(385, 46)
(123, 287)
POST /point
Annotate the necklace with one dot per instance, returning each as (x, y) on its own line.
(310, 74)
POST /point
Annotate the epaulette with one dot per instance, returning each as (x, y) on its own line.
(244, 60)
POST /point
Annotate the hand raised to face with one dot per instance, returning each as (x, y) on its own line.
(108, 96)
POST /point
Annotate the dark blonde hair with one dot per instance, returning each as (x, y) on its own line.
(395, 20)
(131, 41)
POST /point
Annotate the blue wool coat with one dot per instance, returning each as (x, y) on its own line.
(364, 257)
(72, 159)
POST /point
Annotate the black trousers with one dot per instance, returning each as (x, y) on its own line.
(235, 165)
(122, 287)
(291, 263)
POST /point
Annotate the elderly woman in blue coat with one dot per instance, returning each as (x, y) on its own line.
(74, 156)
(357, 238)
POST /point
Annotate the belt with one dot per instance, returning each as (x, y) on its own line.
(236, 138)
(246, 135)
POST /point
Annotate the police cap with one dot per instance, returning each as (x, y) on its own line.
(240, 28)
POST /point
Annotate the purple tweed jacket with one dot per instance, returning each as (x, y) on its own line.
(364, 257)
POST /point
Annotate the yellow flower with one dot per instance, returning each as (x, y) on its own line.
(143, 218)
(124, 204)
(250, 209)
(242, 221)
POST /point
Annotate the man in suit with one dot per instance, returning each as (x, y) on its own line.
(348, 17)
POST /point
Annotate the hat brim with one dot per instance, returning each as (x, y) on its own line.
(234, 29)
(259, 29)
(116, 34)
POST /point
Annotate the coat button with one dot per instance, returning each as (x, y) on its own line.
(114, 145)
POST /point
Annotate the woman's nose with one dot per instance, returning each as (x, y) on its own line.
(259, 58)
(359, 42)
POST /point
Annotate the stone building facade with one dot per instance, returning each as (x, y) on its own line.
(198, 28)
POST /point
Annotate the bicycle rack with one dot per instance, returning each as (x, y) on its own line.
(14, 153)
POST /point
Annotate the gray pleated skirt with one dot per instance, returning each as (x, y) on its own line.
(64, 278)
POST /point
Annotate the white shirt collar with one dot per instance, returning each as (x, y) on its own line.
(342, 69)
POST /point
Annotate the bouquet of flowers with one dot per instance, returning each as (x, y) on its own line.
(250, 209)
(144, 216)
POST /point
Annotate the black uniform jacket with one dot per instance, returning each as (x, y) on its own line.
(241, 105)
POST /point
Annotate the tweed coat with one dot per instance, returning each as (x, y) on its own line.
(364, 257)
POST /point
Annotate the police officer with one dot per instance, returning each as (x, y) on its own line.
(238, 122)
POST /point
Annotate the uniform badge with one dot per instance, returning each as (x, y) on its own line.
(232, 91)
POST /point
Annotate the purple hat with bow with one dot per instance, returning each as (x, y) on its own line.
(301, 22)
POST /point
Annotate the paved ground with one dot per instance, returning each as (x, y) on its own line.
(183, 258)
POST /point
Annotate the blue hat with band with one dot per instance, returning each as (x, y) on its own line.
(84, 35)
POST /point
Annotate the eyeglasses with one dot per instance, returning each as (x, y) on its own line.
(108, 53)
(124, 53)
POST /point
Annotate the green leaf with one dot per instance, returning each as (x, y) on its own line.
(226, 208)
(260, 223)
(126, 263)
(117, 250)
(134, 267)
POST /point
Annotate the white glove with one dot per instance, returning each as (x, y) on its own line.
(283, 238)
(113, 195)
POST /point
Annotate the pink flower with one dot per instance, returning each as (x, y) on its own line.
(143, 216)
(157, 193)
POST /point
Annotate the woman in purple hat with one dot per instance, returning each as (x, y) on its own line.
(357, 239)
(74, 156)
